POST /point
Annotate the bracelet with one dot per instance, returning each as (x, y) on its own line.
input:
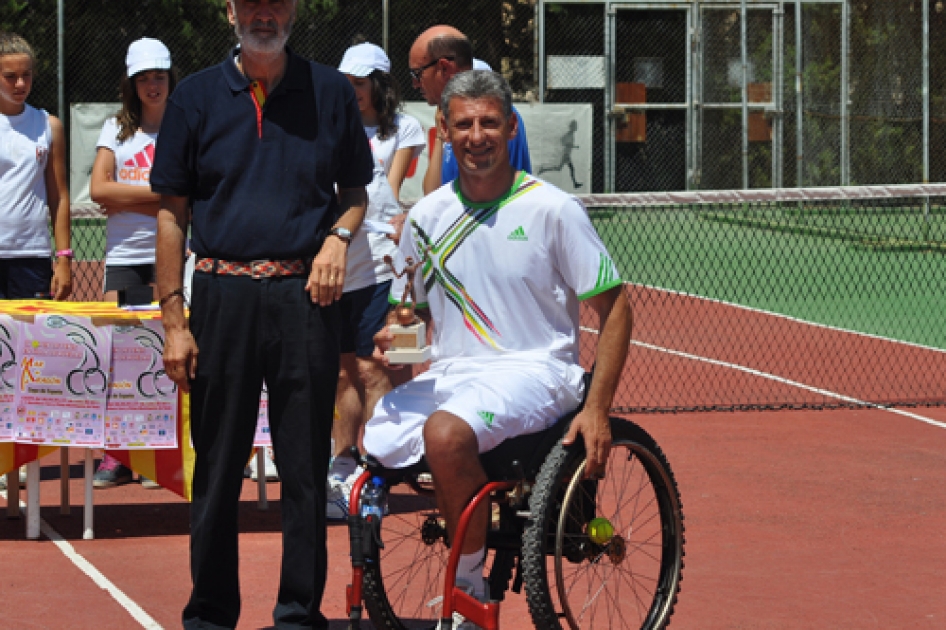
(170, 295)
(65, 252)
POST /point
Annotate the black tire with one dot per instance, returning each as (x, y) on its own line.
(630, 581)
(404, 587)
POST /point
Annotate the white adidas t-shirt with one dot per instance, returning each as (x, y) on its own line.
(366, 265)
(130, 236)
(505, 279)
(25, 142)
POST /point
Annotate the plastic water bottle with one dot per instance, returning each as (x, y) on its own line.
(373, 499)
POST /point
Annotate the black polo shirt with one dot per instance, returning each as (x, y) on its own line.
(261, 182)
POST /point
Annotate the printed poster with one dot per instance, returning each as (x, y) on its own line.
(141, 409)
(9, 340)
(63, 381)
(262, 437)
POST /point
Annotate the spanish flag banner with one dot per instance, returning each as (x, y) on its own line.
(12, 456)
(173, 469)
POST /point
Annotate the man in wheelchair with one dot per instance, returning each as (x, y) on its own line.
(506, 258)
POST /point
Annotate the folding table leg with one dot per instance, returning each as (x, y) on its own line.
(88, 532)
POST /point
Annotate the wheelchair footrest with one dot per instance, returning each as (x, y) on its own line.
(485, 616)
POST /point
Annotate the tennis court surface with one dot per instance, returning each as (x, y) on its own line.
(813, 494)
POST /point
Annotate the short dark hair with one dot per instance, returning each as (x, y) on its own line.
(456, 47)
(477, 84)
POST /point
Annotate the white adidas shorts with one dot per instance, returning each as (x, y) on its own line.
(498, 398)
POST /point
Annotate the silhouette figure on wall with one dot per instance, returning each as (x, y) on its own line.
(568, 143)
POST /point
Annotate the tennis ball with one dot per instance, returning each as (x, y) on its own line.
(600, 530)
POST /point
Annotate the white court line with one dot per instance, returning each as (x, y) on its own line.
(791, 318)
(780, 379)
(133, 609)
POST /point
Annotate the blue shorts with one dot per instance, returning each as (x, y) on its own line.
(364, 313)
(24, 278)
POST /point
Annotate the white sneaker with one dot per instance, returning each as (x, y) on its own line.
(270, 471)
(338, 490)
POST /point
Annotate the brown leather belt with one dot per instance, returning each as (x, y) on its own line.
(255, 269)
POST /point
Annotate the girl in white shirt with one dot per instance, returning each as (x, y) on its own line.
(121, 186)
(122, 169)
(396, 139)
(32, 179)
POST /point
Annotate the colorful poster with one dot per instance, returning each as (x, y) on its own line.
(62, 381)
(9, 338)
(141, 410)
(262, 437)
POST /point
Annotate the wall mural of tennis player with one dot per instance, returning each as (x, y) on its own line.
(568, 145)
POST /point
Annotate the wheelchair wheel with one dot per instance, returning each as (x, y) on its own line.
(403, 588)
(608, 553)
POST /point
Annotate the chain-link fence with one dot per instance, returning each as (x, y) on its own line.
(826, 92)
(664, 79)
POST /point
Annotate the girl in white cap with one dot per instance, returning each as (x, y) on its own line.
(395, 139)
(121, 186)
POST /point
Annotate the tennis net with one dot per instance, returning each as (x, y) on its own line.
(758, 299)
(771, 299)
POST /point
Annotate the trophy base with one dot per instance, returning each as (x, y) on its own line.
(403, 356)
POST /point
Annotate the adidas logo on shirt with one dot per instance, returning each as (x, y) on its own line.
(138, 168)
(487, 416)
(518, 235)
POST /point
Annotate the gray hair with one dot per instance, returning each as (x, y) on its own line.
(475, 84)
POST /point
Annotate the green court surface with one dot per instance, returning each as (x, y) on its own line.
(88, 238)
(885, 284)
(819, 269)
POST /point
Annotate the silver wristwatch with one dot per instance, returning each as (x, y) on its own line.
(342, 233)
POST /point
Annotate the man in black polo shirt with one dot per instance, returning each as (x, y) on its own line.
(250, 154)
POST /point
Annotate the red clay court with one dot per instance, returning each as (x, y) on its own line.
(794, 519)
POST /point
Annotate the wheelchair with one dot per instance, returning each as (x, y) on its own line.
(591, 553)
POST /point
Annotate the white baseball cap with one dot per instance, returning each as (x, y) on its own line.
(479, 64)
(147, 54)
(363, 59)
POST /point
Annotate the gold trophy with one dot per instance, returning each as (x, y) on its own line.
(410, 333)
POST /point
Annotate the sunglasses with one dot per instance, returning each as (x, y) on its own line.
(417, 72)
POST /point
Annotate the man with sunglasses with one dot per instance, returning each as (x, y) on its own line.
(437, 55)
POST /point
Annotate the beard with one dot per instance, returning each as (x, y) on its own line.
(266, 44)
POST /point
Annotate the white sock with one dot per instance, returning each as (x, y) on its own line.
(470, 571)
(342, 466)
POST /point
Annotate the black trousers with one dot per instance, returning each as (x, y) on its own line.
(247, 331)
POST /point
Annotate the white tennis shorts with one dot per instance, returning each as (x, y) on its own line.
(498, 398)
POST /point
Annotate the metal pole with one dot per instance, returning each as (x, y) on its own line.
(845, 94)
(690, 149)
(88, 510)
(32, 500)
(926, 114)
(778, 53)
(609, 121)
(60, 36)
(799, 102)
(926, 92)
(540, 50)
(385, 24)
(698, 80)
(744, 45)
